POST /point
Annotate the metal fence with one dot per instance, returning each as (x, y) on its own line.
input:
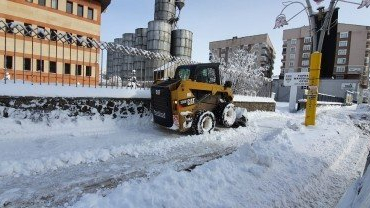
(41, 56)
(328, 98)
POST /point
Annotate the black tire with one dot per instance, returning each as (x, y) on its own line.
(241, 122)
(225, 114)
(204, 121)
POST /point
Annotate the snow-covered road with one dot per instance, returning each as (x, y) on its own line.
(274, 162)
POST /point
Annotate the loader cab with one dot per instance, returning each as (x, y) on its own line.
(204, 73)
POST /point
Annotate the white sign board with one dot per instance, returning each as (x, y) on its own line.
(349, 86)
(296, 79)
(354, 70)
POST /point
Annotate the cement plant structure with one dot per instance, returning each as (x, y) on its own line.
(161, 36)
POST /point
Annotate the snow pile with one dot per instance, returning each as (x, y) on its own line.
(14, 131)
(52, 90)
(294, 166)
(358, 195)
(243, 98)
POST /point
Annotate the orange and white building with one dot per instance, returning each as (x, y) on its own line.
(38, 59)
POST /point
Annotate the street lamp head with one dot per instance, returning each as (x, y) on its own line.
(280, 21)
(318, 1)
(321, 9)
(364, 3)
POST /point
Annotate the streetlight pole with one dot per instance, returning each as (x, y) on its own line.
(311, 19)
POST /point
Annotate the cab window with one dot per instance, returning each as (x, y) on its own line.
(211, 76)
(184, 74)
(206, 75)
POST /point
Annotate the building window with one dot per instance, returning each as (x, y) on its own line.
(341, 69)
(291, 64)
(67, 68)
(27, 64)
(343, 35)
(78, 70)
(341, 61)
(304, 69)
(69, 38)
(342, 52)
(53, 67)
(40, 65)
(90, 43)
(307, 40)
(79, 40)
(69, 8)
(31, 1)
(28, 29)
(80, 10)
(292, 56)
(9, 23)
(54, 4)
(292, 49)
(306, 55)
(90, 13)
(88, 71)
(307, 47)
(42, 2)
(41, 32)
(343, 43)
(53, 35)
(9, 62)
(293, 41)
(305, 62)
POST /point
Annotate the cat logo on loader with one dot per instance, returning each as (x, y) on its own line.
(194, 100)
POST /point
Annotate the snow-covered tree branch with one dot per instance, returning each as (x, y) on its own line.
(243, 71)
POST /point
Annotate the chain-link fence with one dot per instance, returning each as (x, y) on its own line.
(41, 56)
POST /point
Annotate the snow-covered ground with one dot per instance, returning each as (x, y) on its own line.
(52, 90)
(94, 162)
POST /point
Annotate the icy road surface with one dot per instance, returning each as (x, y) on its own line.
(274, 162)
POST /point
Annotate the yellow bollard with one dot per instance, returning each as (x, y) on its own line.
(313, 88)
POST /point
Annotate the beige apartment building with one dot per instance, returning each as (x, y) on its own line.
(37, 58)
(265, 49)
(351, 54)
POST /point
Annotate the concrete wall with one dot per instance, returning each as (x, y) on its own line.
(327, 86)
(257, 106)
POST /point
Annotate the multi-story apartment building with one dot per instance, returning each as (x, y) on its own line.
(265, 50)
(56, 60)
(351, 54)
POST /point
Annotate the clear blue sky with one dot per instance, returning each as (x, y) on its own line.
(212, 20)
